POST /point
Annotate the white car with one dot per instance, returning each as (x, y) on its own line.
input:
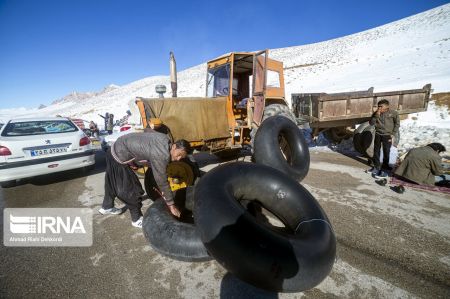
(36, 146)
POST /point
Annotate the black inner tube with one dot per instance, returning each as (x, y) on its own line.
(267, 147)
(176, 238)
(292, 260)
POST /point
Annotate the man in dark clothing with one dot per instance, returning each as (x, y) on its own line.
(387, 124)
(422, 164)
(110, 124)
(126, 154)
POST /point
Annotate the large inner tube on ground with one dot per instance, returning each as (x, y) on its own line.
(294, 260)
(174, 238)
(280, 144)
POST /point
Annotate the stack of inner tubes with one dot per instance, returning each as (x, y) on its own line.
(293, 257)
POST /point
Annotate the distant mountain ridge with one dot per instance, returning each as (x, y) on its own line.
(78, 96)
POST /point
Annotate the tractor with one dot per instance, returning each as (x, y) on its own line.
(242, 90)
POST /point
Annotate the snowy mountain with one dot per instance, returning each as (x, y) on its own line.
(406, 54)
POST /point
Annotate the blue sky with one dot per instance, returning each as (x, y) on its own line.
(51, 48)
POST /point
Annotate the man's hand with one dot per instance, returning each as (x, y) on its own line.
(174, 210)
(391, 140)
(378, 112)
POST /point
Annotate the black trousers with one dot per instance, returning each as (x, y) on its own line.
(384, 141)
(122, 182)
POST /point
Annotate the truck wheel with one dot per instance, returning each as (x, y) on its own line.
(280, 144)
(278, 109)
(294, 260)
(273, 110)
(336, 135)
(357, 137)
(175, 238)
(363, 139)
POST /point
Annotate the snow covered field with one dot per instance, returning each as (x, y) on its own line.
(406, 54)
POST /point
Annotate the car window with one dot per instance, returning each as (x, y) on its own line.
(38, 128)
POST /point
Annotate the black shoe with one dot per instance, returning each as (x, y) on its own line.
(381, 175)
(381, 182)
(399, 189)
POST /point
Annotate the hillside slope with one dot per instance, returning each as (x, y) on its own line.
(401, 55)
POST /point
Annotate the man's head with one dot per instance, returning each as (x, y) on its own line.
(179, 150)
(437, 147)
(383, 105)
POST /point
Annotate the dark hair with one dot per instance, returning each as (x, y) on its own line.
(383, 102)
(183, 145)
(437, 147)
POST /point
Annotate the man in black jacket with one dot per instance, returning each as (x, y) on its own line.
(387, 124)
(126, 154)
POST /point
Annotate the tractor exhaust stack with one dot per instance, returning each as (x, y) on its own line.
(173, 75)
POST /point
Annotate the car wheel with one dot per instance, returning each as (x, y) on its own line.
(8, 184)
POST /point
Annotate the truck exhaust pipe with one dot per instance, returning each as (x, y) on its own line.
(173, 75)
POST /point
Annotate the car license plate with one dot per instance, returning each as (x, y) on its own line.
(48, 151)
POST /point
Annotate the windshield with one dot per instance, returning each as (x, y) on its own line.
(218, 81)
(38, 128)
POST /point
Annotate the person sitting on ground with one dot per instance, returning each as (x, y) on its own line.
(422, 164)
(125, 155)
(387, 124)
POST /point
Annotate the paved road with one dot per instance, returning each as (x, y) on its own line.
(389, 245)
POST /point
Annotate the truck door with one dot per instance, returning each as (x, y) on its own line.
(259, 84)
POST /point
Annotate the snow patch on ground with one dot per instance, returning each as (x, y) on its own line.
(414, 208)
(426, 127)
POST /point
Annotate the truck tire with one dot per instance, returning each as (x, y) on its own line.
(280, 144)
(278, 109)
(295, 260)
(336, 135)
(357, 137)
(273, 110)
(171, 237)
(363, 139)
